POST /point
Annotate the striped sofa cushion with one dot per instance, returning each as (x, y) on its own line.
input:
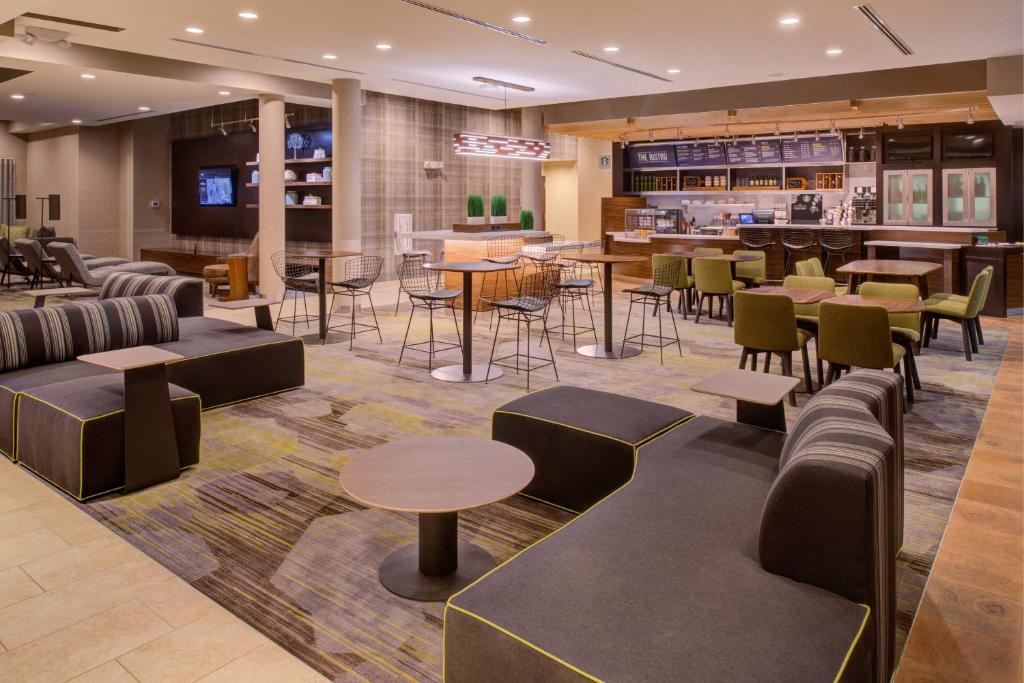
(187, 292)
(827, 517)
(34, 336)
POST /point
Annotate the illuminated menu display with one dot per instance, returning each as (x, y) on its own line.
(756, 152)
(829, 149)
(700, 154)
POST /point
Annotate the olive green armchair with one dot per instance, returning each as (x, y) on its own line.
(812, 268)
(855, 336)
(807, 314)
(766, 323)
(906, 327)
(713, 280)
(752, 272)
(964, 310)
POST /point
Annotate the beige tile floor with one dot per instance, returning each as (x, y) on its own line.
(77, 603)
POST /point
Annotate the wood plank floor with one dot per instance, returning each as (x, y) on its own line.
(969, 625)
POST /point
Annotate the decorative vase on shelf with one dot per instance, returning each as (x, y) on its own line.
(255, 177)
(499, 220)
(327, 174)
(295, 142)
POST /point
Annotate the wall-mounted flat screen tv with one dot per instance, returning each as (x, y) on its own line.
(908, 147)
(217, 185)
(967, 145)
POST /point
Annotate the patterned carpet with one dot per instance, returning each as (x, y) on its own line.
(261, 526)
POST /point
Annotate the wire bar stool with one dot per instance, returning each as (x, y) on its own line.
(655, 294)
(425, 292)
(528, 308)
(506, 249)
(359, 275)
(300, 278)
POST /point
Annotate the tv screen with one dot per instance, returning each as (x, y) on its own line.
(217, 186)
(967, 145)
(908, 147)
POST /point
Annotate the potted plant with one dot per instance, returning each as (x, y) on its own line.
(499, 209)
(475, 209)
(526, 219)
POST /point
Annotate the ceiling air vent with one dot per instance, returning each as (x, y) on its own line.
(124, 116)
(263, 56)
(453, 90)
(476, 22)
(871, 15)
(620, 66)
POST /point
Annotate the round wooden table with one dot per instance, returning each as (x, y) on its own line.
(916, 271)
(799, 295)
(608, 349)
(435, 477)
(467, 372)
(889, 304)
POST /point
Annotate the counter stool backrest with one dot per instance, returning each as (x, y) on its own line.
(837, 239)
(666, 275)
(505, 247)
(363, 271)
(416, 280)
(756, 238)
(290, 268)
(798, 239)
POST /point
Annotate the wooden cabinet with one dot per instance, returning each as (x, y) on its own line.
(969, 196)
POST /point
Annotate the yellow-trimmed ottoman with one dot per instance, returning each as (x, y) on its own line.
(72, 433)
(583, 442)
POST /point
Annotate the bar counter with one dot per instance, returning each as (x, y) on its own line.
(920, 243)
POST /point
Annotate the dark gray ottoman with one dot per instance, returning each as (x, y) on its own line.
(582, 442)
(72, 433)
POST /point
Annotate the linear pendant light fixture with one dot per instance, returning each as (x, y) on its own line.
(481, 145)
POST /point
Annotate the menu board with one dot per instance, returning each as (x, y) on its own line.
(756, 152)
(652, 156)
(700, 154)
(829, 149)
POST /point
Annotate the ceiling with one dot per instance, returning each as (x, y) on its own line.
(435, 57)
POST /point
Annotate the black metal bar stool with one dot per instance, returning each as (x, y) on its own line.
(666, 276)
(424, 290)
(360, 274)
(836, 243)
(531, 306)
(756, 239)
(507, 249)
(797, 242)
(300, 278)
(570, 289)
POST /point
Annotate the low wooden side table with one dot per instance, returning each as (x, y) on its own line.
(40, 294)
(238, 277)
(260, 305)
(436, 477)
(150, 445)
(758, 395)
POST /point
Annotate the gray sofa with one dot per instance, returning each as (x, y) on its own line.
(222, 363)
(733, 553)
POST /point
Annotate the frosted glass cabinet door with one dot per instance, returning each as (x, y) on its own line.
(920, 197)
(983, 196)
(956, 198)
(895, 200)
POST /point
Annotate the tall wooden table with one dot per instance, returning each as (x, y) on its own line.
(435, 477)
(467, 372)
(150, 444)
(916, 271)
(608, 349)
(322, 256)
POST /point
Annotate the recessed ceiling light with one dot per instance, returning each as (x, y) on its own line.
(673, 71)
(248, 15)
(225, 93)
(834, 51)
(521, 19)
(76, 121)
(17, 96)
(195, 29)
(143, 108)
(383, 46)
(89, 77)
(611, 48)
(330, 56)
(789, 21)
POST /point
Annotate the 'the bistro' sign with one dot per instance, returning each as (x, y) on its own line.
(652, 156)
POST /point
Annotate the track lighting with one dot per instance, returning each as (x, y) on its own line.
(970, 116)
(252, 125)
(223, 130)
(795, 136)
(777, 132)
(650, 136)
(832, 127)
(679, 133)
(860, 136)
(817, 136)
(899, 121)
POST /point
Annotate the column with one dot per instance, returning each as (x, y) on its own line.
(531, 184)
(271, 191)
(347, 175)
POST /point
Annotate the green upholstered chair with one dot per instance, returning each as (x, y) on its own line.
(713, 280)
(807, 314)
(810, 268)
(707, 251)
(752, 272)
(766, 323)
(685, 283)
(961, 309)
(906, 327)
(855, 336)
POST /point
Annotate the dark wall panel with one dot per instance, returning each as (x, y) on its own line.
(191, 219)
